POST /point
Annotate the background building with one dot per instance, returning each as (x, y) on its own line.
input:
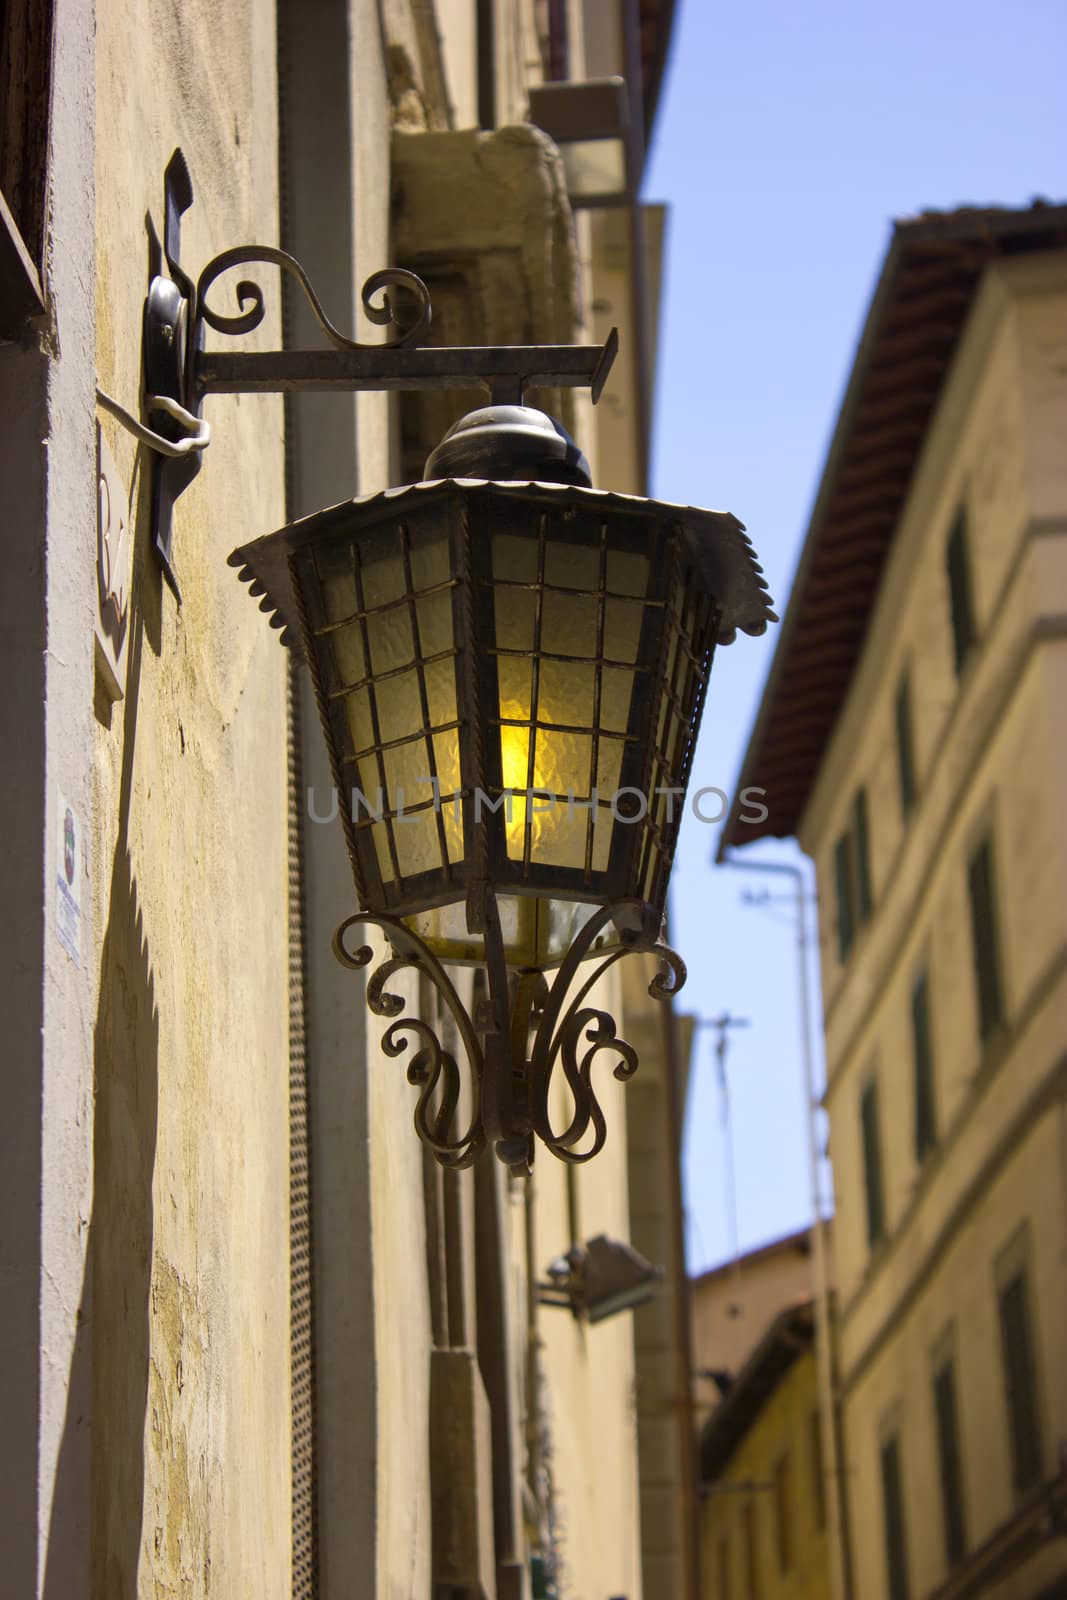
(766, 1480)
(763, 1482)
(911, 735)
(257, 1343)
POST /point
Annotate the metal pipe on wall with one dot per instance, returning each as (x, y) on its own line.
(840, 1585)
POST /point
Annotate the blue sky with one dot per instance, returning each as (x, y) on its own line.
(788, 138)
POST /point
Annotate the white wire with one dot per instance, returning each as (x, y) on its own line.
(199, 436)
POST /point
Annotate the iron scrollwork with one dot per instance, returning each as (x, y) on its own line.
(547, 1030)
(382, 312)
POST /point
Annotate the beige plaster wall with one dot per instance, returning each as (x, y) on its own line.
(589, 1370)
(189, 1229)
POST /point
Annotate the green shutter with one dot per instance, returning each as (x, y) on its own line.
(896, 1555)
(948, 1451)
(985, 940)
(957, 561)
(922, 1046)
(843, 890)
(1020, 1384)
(872, 1162)
(905, 747)
(861, 847)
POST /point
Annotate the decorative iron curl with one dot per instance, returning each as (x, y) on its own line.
(596, 1029)
(251, 299)
(563, 1027)
(431, 1069)
(566, 1031)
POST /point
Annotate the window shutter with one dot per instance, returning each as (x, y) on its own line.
(1020, 1383)
(893, 1512)
(985, 940)
(948, 1450)
(872, 1162)
(861, 846)
(925, 1116)
(957, 561)
(905, 747)
(843, 891)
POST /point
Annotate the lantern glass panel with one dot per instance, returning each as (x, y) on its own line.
(569, 607)
(537, 932)
(387, 603)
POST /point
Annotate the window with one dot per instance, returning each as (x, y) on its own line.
(922, 1048)
(946, 1418)
(1020, 1380)
(723, 1592)
(846, 930)
(896, 1555)
(986, 944)
(25, 111)
(818, 1470)
(852, 876)
(752, 1589)
(960, 594)
(783, 1524)
(872, 1162)
(905, 747)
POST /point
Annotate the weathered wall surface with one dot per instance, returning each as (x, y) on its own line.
(589, 1396)
(189, 1227)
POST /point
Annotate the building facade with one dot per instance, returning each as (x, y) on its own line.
(763, 1481)
(259, 1343)
(911, 736)
(767, 1514)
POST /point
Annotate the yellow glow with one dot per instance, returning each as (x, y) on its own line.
(558, 828)
(515, 771)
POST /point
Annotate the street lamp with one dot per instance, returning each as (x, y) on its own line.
(510, 669)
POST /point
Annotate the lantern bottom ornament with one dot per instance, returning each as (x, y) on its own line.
(510, 669)
(522, 1029)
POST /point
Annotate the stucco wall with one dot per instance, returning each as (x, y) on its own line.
(589, 1369)
(189, 1232)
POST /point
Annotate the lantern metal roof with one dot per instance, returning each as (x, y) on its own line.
(717, 540)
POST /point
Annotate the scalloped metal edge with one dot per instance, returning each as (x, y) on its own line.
(689, 514)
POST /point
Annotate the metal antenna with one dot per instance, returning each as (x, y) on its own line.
(722, 1024)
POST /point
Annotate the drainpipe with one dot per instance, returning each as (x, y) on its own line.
(688, 1463)
(829, 1420)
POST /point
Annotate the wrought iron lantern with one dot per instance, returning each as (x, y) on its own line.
(510, 668)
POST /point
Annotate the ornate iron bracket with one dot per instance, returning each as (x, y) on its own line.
(177, 365)
(526, 1028)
